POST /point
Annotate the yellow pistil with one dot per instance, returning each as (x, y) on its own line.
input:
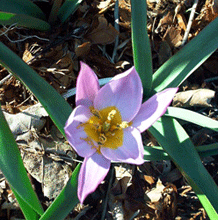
(105, 128)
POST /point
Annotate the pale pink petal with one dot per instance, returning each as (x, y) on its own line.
(74, 134)
(131, 151)
(87, 86)
(124, 91)
(92, 173)
(153, 109)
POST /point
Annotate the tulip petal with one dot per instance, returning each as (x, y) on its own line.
(130, 152)
(87, 86)
(153, 109)
(92, 173)
(124, 91)
(74, 133)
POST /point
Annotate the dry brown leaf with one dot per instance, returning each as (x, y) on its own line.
(27, 55)
(208, 13)
(83, 49)
(31, 118)
(181, 21)
(173, 36)
(164, 52)
(102, 32)
(198, 97)
(165, 22)
(104, 4)
(215, 6)
(123, 177)
(125, 13)
(42, 157)
(163, 201)
(64, 74)
(156, 193)
(149, 179)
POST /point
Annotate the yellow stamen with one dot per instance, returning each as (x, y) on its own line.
(104, 128)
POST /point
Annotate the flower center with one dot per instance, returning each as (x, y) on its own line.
(105, 127)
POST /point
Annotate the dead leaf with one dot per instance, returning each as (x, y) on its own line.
(181, 21)
(104, 4)
(165, 22)
(156, 193)
(163, 200)
(83, 49)
(215, 6)
(43, 159)
(197, 98)
(31, 118)
(102, 32)
(125, 13)
(164, 52)
(173, 36)
(207, 14)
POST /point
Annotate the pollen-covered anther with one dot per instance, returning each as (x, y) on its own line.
(124, 124)
(111, 115)
(102, 138)
(107, 124)
(95, 112)
(121, 126)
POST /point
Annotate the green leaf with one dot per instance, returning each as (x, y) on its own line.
(66, 200)
(157, 153)
(24, 7)
(13, 169)
(192, 117)
(24, 21)
(58, 109)
(68, 8)
(208, 150)
(28, 212)
(54, 11)
(173, 138)
(174, 71)
(141, 44)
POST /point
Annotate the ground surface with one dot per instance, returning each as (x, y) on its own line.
(155, 190)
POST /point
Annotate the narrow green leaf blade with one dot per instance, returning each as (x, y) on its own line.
(28, 212)
(24, 21)
(208, 150)
(54, 11)
(172, 137)
(13, 169)
(66, 200)
(24, 7)
(157, 153)
(174, 71)
(58, 109)
(192, 117)
(68, 8)
(141, 44)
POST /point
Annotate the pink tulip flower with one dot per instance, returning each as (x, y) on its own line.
(106, 124)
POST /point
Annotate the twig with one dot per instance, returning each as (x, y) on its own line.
(5, 79)
(8, 29)
(25, 38)
(191, 18)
